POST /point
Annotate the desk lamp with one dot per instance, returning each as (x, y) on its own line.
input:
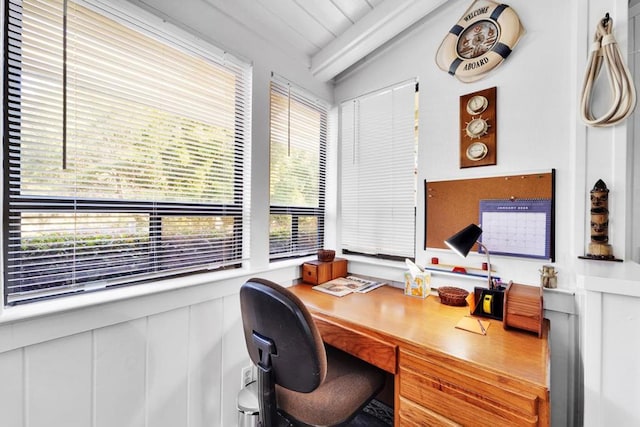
(463, 241)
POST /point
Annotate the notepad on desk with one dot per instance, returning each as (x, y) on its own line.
(473, 324)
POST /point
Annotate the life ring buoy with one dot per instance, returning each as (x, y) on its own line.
(483, 37)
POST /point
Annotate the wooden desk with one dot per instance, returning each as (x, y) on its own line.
(443, 375)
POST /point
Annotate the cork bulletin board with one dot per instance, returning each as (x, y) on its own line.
(452, 205)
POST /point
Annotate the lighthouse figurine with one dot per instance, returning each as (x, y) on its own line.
(599, 248)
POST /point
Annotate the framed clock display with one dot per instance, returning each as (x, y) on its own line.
(478, 128)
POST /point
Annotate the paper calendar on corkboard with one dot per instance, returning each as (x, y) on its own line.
(517, 227)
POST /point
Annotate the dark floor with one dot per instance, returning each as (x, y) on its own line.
(375, 414)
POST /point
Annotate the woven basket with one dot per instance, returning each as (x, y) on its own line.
(326, 255)
(450, 295)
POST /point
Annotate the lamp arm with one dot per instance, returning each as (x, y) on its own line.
(486, 251)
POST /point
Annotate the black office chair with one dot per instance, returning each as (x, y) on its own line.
(299, 381)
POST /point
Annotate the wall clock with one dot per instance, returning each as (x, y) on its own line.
(477, 151)
(478, 128)
(477, 104)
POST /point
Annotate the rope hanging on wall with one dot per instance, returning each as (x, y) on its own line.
(605, 48)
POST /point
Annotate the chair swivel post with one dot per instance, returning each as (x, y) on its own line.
(266, 387)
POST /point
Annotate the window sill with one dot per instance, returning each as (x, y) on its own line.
(74, 302)
(609, 277)
(392, 271)
(50, 319)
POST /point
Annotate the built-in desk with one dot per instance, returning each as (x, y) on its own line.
(443, 375)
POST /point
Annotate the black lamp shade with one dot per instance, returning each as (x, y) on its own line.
(463, 240)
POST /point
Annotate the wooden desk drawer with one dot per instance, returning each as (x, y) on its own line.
(413, 415)
(460, 397)
(377, 352)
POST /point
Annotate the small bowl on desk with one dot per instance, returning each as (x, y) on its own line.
(450, 295)
(326, 255)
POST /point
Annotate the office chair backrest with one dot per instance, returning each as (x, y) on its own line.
(277, 321)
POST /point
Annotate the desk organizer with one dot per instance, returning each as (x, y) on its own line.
(317, 272)
(488, 302)
(523, 308)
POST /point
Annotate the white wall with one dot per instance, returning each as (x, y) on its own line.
(634, 131)
(610, 348)
(611, 300)
(538, 129)
(535, 87)
(538, 123)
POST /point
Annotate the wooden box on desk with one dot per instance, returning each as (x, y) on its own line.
(523, 308)
(317, 272)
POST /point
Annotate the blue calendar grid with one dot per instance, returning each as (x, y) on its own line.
(517, 227)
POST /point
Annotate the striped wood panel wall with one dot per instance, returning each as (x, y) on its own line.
(166, 369)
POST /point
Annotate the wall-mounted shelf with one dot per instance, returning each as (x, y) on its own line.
(467, 275)
(447, 267)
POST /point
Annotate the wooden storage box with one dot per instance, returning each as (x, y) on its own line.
(523, 308)
(317, 272)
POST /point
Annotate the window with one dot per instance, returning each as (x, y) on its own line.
(298, 138)
(378, 180)
(125, 152)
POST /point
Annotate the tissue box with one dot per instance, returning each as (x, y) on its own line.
(418, 286)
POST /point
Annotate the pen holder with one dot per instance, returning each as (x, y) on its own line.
(418, 286)
(488, 302)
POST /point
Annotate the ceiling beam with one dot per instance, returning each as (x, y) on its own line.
(374, 29)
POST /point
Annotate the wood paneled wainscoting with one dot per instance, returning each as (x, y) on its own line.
(170, 358)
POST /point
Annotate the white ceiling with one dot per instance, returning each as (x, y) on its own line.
(330, 35)
(304, 26)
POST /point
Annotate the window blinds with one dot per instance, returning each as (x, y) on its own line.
(126, 155)
(298, 144)
(378, 172)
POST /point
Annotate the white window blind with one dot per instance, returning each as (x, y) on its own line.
(378, 172)
(298, 144)
(126, 152)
